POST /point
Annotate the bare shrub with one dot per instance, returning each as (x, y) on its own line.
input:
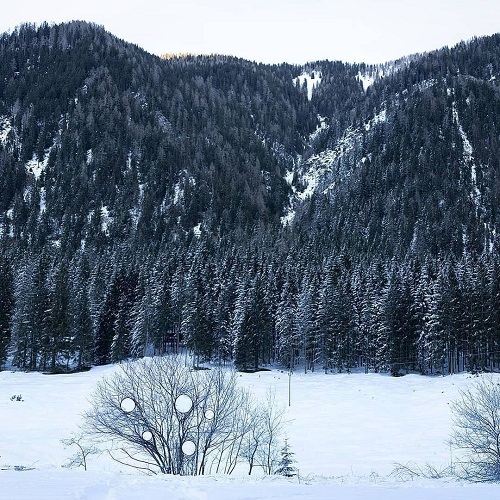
(163, 417)
(476, 431)
(411, 471)
(262, 442)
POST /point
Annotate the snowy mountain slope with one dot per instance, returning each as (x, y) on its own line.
(422, 138)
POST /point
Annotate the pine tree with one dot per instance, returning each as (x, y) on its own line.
(125, 301)
(286, 326)
(197, 327)
(58, 347)
(260, 309)
(30, 328)
(226, 299)
(145, 321)
(305, 315)
(493, 313)
(397, 321)
(420, 310)
(243, 327)
(433, 338)
(79, 317)
(6, 307)
(285, 465)
(343, 324)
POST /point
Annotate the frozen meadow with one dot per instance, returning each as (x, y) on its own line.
(348, 432)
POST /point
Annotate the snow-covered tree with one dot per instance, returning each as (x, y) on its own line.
(285, 466)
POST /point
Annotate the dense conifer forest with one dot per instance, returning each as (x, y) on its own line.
(206, 202)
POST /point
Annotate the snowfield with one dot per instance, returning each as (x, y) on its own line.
(347, 432)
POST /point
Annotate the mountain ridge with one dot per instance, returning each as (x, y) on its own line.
(143, 205)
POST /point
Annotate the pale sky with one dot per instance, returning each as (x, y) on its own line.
(274, 31)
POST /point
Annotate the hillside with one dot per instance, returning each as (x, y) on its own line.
(331, 216)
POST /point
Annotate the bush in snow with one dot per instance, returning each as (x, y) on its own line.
(163, 417)
(476, 431)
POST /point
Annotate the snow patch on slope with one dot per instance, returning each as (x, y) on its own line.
(197, 230)
(5, 128)
(468, 156)
(106, 220)
(179, 186)
(36, 166)
(323, 125)
(312, 80)
(320, 167)
(426, 84)
(325, 169)
(317, 169)
(366, 80)
(163, 122)
(378, 118)
(43, 200)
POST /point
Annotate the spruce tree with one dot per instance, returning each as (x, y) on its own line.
(286, 463)
(6, 307)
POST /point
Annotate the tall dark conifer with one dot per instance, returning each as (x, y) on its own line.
(6, 306)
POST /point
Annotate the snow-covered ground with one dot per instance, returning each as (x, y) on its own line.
(347, 432)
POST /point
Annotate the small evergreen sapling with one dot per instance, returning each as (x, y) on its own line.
(285, 465)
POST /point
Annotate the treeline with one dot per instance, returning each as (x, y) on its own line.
(255, 306)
